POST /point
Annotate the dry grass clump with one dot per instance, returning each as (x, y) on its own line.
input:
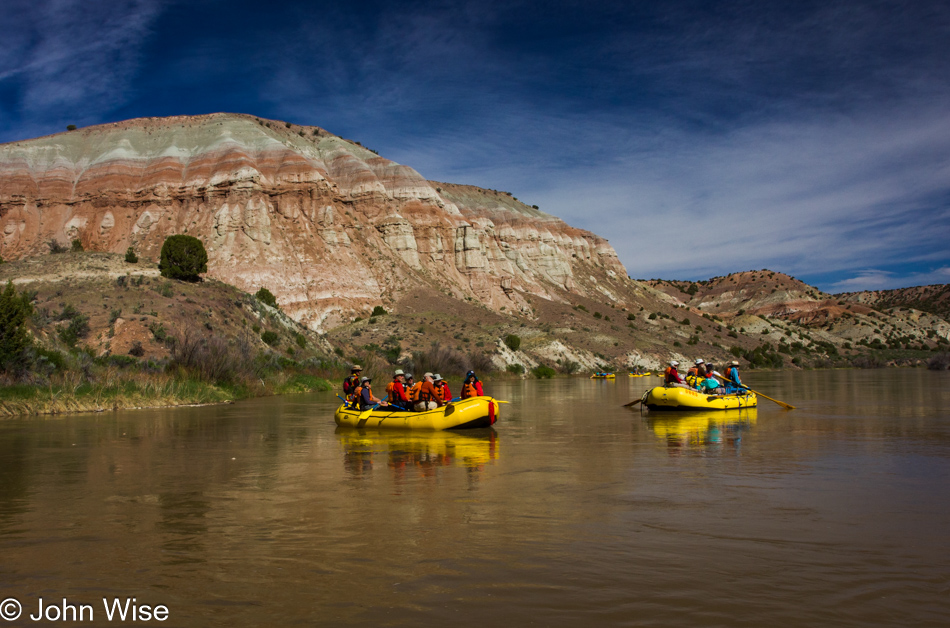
(447, 361)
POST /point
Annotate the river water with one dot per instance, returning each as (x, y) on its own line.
(571, 511)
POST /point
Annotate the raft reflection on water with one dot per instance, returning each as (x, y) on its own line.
(423, 451)
(702, 432)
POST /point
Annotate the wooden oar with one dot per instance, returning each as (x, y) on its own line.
(632, 403)
(787, 406)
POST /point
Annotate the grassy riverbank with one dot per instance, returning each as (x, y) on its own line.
(72, 392)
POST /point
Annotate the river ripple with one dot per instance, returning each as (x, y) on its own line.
(573, 510)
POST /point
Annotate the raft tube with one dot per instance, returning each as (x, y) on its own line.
(465, 414)
(677, 398)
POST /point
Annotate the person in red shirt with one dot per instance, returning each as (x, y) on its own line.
(396, 390)
(673, 378)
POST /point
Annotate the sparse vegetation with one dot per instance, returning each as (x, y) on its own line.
(513, 342)
(130, 256)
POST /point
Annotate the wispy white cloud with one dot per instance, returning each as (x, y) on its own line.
(72, 59)
(872, 279)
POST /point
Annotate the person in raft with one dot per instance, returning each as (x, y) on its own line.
(442, 387)
(396, 390)
(672, 376)
(472, 387)
(697, 370)
(735, 385)
(707, 384)
(428, 396)
(352, 382)
(363, 396)
(412, 390)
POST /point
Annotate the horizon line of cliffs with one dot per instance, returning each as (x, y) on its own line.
(326, 225)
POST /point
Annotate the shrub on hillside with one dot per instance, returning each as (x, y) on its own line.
(543, 372)
(379, 310)
(55, 247)
(131, 257)
(15, 342)
(77, 328)
(517, 369)
(513, 342)
(77, 246)
(868, 362)
(270, 337)
(940, 362)
(183, 258)
(266, 297)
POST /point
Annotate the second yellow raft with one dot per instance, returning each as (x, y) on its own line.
(677, 398)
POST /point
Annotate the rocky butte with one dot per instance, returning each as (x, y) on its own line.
(333, 230)
(328, 226)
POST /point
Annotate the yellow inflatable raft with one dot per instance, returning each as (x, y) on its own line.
(677, 398)
(466, 414)
(605, 376)
(639, 375)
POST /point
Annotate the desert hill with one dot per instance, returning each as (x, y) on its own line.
(330, 227)
(934, 299)
(336, 231)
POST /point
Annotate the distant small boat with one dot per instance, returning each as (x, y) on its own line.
(603, 376)
(647, 374)
(677, 398)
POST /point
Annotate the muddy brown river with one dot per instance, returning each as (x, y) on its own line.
(572, 511)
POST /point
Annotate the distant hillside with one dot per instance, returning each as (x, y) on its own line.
(336, 231)
(934, 298)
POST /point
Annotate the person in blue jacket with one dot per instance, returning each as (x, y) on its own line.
(733, 374)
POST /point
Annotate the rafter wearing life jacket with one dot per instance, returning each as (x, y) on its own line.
(472, 387)
(352, 382)
(672, 376)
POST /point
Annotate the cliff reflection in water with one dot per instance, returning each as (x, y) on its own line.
(710, 432)
(415, 453)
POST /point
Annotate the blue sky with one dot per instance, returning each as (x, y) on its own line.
(700, 138)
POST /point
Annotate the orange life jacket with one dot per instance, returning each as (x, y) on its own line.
(442, 389)
(469, 390)
(672, 375)
(396, 391)
(357, 392)
(414, 392)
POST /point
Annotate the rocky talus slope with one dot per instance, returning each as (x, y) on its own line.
(330, 227)
(785, 311)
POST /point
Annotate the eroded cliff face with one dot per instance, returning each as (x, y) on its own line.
(329, 227)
